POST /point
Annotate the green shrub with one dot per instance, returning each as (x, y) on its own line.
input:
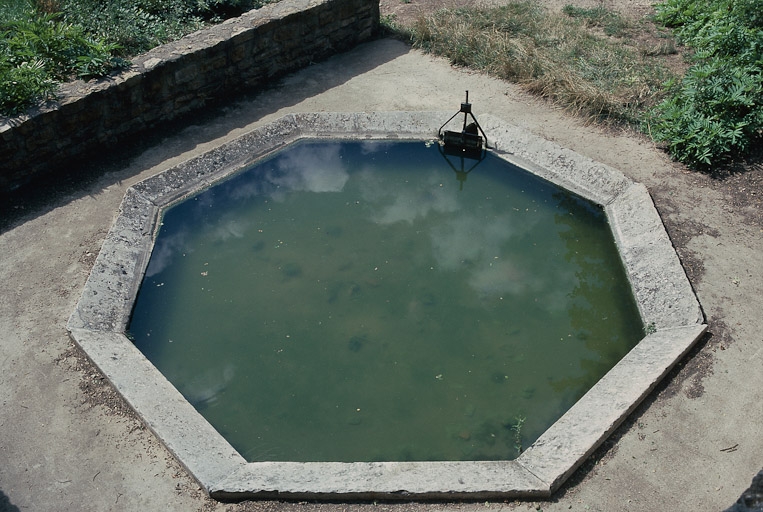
(58, 46)
(23, 86)
(716, 112)
(99, 60)
(135, 26)
(37, 50)
(43, 42)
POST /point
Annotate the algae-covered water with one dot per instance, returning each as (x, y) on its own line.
(361, 301)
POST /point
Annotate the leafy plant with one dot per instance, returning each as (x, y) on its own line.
(389, 23)
(135, 26)
(43, 42)
(99, 61)
(139, 25)
(716, 112)
(23, 86)
(713, 114)
(37, 50)
(57, 45)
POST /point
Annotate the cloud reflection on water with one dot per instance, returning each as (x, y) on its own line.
(164, 251)
(460, 238)
(309, 169)
(393, 203)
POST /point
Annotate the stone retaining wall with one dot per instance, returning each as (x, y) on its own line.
(180, 77)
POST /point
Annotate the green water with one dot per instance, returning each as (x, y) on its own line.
(355, 301)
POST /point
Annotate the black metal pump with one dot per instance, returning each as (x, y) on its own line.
(468, 140)
(464, 145)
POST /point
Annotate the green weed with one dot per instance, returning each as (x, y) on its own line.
(517, 428)
(389, 23)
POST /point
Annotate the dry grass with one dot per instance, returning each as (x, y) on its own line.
(584, 60)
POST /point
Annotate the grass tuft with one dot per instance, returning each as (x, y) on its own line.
(611, 23)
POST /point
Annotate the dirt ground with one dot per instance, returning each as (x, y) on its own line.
(68, 442)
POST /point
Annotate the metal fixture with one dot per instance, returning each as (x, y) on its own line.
(466, 144)
(468, 140)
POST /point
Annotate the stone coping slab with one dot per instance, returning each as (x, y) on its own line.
(669, 309)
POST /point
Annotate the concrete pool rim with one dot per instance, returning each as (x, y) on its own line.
(666, 301)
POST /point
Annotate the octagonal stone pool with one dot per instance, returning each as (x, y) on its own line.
(354, 301)
(463, 346)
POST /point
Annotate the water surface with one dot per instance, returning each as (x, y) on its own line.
(361, 301)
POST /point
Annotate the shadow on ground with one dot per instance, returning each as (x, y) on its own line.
(113, 163)
(6, 505)
(752, 499)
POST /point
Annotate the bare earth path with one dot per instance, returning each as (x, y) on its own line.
(67, 443)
